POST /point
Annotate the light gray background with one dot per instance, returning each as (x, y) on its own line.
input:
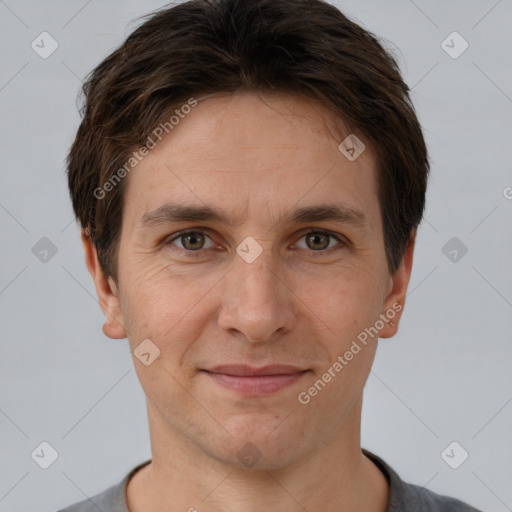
(445, 377)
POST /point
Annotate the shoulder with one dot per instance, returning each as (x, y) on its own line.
(111, 500)
(418, 498)
(404, 497)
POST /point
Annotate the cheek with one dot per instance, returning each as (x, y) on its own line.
(346, 305)
(166, 306)
(148, 302)
(346, 301)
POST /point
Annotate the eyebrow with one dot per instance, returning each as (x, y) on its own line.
(172, 213)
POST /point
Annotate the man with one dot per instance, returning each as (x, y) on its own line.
(249, 176)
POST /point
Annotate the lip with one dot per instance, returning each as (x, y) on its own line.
(256, 381)
(243, 370)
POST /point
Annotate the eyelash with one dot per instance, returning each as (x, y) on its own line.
(194, 254)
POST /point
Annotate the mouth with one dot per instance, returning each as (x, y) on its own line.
(255, 381)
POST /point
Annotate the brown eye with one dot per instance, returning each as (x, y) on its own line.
(317, 241)
(192, 241)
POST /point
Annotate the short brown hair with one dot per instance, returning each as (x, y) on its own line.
(301, 47)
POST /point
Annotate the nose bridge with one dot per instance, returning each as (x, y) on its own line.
(254, 267)
(254, 300)
(256, 282)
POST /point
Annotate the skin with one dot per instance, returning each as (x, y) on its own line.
(259, 157)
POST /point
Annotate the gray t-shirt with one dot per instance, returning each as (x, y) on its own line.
(403, 497)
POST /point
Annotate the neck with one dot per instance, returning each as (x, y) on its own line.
(182, 476)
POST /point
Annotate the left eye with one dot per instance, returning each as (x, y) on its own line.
(319, 241)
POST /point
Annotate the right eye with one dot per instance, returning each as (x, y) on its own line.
(191, 242)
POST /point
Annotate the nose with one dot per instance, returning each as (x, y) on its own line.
(257, 304)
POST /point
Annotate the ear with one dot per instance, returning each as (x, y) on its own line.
(397, 290)
(107, 291)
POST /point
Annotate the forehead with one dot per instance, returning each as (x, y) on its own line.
(251, 155)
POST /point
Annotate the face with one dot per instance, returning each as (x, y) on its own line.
(260, 285)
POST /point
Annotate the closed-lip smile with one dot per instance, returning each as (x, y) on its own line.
(250, 380)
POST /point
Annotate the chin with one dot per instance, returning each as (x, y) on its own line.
(259, 449)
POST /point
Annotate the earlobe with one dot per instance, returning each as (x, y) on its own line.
(395, 300)
(106, 289)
